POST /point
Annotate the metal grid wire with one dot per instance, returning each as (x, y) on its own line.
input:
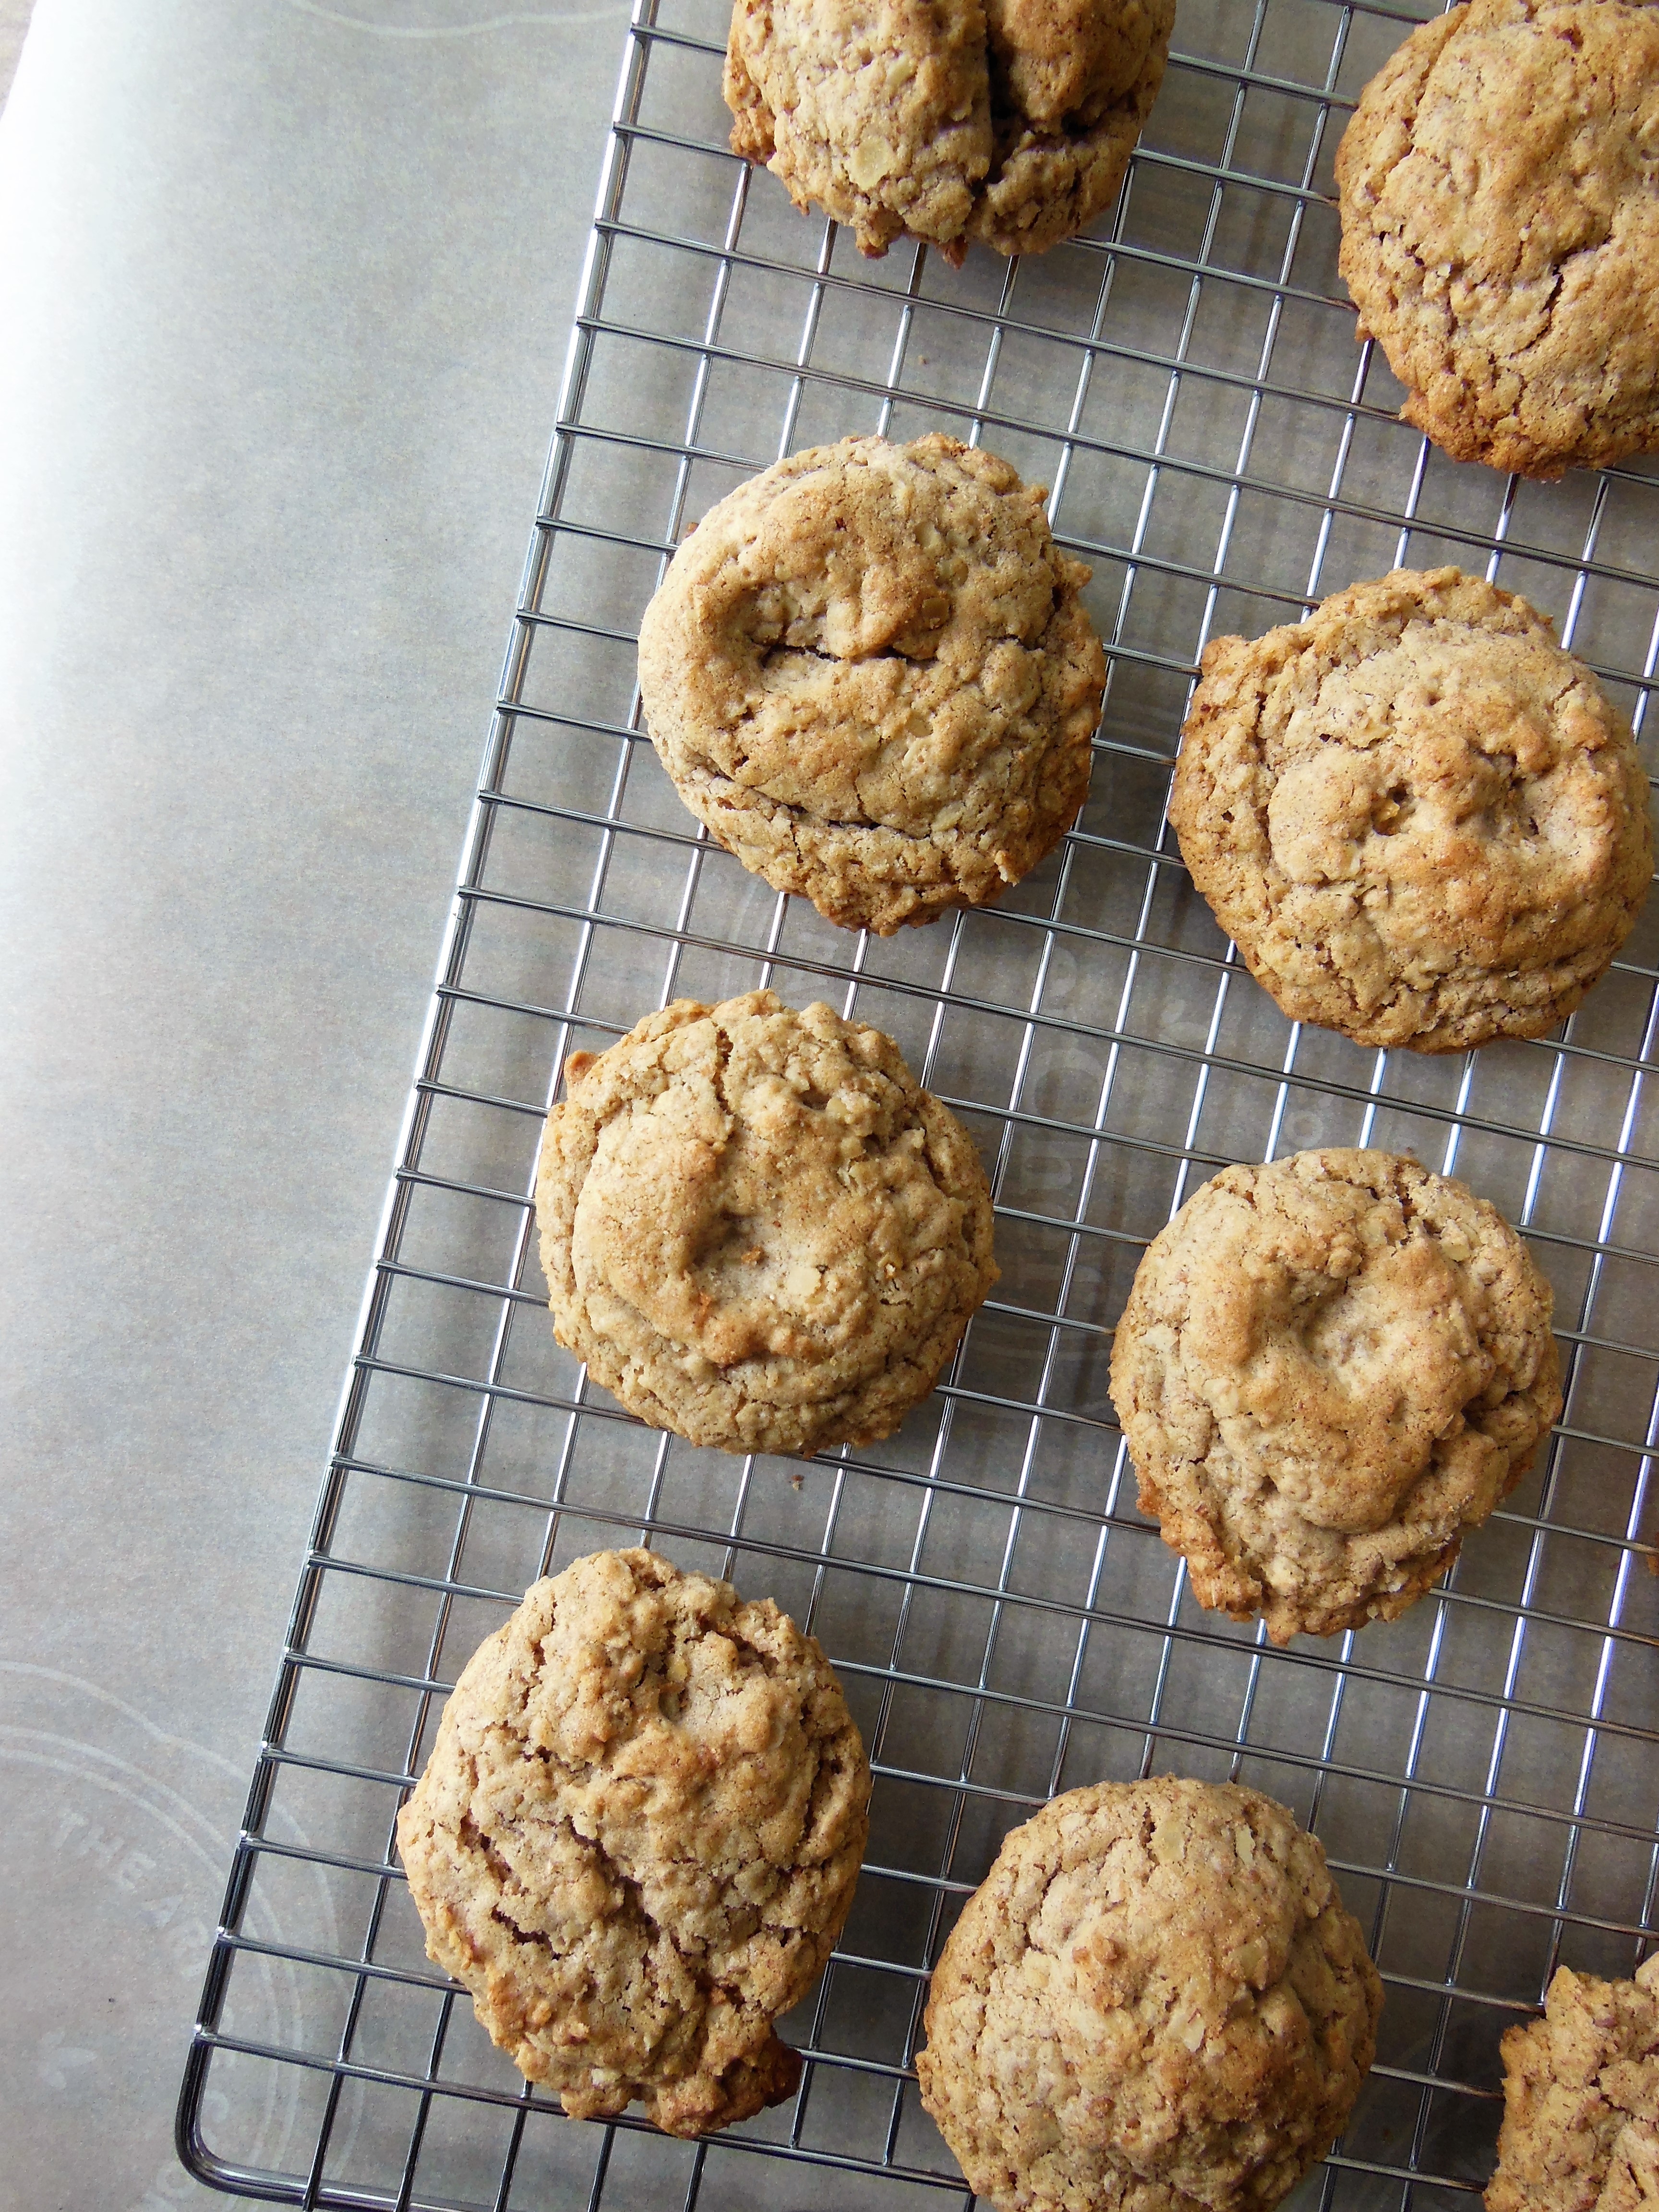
(1482, 1773)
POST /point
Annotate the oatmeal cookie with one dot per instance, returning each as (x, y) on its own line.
(757, 1229)
(1329, 1369)
(1156, 2002)
(637, 1836)
(1012, 122)
(1581, 2101)
(869, 671)
(1499, 187)
(1073, 83)
(1419, 819)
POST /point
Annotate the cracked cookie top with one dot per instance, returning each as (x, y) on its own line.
(1156, 2002)
(757, 1229)
(637, 1836)
(1581, 2099)
(1327, 1370)
(869, 671)
(1499, 186)
(1422, 822)
(1011, 122)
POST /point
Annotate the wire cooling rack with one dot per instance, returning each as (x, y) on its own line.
(1483, 1772)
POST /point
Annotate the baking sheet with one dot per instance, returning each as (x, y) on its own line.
(1481, 1772)
(274, 391)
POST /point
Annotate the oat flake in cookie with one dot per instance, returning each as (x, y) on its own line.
(1329, 1369)
(1421, 820)
(1499, 186)
(757, 1229)
(1581, 2101)
(869, 670)
(1010, 122)
(637, 1836)
(1156, 2002)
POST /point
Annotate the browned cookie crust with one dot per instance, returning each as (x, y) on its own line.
(868, 670)
(1581, 2101)
(757, 1229)
(1155, 2001)
(1329, 1369)
(1421, 820)
(1011, 122)
(637, 1836)
(1499, 187)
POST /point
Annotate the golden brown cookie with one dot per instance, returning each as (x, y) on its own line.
(1155, 2001)
(1499, 186)
(637, 1836)
(1329, 1369)
(868, 670)
(1012, 122)
(1419, 819)
(1581, 2101)
(757, 1229)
